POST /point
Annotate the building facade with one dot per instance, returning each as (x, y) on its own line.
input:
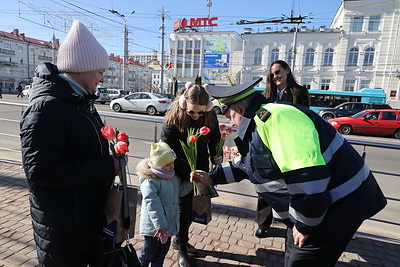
(360, 49)
(19, 56)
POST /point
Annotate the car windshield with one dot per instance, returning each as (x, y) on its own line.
(359, 114)
(158, 95)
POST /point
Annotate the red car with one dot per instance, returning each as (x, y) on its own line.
(370, 121)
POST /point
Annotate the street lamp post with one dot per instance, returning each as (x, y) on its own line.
(53, 44)
(125, 73)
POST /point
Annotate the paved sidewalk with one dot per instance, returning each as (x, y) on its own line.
(228, 240)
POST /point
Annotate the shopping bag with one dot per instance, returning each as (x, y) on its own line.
(113, 224)
(121, 257)
(201, 209)
(120, 210)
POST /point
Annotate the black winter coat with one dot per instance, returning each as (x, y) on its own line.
(67, 164)
(206, 148)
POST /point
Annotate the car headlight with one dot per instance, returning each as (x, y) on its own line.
(333, 123)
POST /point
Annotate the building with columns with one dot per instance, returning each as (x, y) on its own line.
(360, 49)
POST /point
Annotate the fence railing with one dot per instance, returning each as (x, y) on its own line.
(154, 137)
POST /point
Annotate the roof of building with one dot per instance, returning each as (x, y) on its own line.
(15, 35)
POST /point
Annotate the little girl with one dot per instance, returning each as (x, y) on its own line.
(160, 189)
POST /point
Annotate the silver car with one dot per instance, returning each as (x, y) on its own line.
(102, 95)
(150, 103)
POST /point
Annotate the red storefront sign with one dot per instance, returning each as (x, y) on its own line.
(195, 22)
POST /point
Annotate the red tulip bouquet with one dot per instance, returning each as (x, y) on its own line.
(190, 149)
(119, 141)
(225, 132)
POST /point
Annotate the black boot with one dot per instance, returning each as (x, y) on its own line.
(183, 257)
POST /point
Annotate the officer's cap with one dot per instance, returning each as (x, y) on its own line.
(227, 95)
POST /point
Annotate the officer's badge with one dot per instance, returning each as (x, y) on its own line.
(263, 114)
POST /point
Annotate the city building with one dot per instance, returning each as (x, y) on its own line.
(19, 56)
(360, 49)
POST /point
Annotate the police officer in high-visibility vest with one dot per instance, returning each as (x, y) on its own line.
(315, 181)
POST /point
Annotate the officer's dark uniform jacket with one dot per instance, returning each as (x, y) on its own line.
(328, 190)
(67, 164)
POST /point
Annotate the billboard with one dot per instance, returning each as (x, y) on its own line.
(216, 60)
(216, 76)
(217, 45)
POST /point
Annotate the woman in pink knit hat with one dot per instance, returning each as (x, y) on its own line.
(66, 161)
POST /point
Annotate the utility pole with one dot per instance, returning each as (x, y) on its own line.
(209, 5)
(125, 60)
(288, 20)
(53, 44)
(162, 28)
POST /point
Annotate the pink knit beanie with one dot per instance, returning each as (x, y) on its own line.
(80, 51)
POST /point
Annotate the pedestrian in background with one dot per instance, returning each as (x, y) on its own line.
(192, 109)
(282, 86)
(161, 188)
(317, 183)
(66, 160)
(19, 91)
(1, 92)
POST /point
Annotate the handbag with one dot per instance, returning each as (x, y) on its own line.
(120, 210)
(121, 257)
(201, 209)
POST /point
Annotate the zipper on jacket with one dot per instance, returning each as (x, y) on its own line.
(97, 133)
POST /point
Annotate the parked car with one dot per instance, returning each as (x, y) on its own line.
(102, 94)
(216, 106)
(170, 96)
(116, 93)
(370, 121)
(348, 109)
(150, 103)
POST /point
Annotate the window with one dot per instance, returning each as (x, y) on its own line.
(369, 56)
(188, 59)
(180, 44)
(21, 60)
(195, 72)
(20, 49)
(196, 59)
(310, 57)
(325, 83)
(349, 85)
(307, 82)
(328, 57)
(389, 116)
(372, 116)
(373, 24)
(290, 57)
(187, 72)
(7, 46)
(364, 83)
(197, 44)
(9, 71)
(257, 56)
(179, 72)
(357, 23)
(353, 57)
(179, 58)
(274, 54)
(189, 44)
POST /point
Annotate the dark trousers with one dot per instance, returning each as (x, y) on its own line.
(317, 252)
(185, 212)
(153, 252)
(264, 214)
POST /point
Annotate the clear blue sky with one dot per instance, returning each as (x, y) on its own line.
(31, 16)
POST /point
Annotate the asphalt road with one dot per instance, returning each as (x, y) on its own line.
(241, 194)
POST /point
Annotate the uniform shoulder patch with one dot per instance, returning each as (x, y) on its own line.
(263, 114)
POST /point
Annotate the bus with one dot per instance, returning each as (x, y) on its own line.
(327, 99)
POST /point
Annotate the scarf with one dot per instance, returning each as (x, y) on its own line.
(160, 173)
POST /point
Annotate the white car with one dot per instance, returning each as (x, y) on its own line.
(116, 93)
(150, 103)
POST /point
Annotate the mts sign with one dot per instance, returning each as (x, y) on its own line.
(195, 22)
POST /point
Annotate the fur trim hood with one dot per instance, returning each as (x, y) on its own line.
(143, 170)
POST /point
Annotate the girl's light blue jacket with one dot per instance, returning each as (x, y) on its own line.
(160, 201)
